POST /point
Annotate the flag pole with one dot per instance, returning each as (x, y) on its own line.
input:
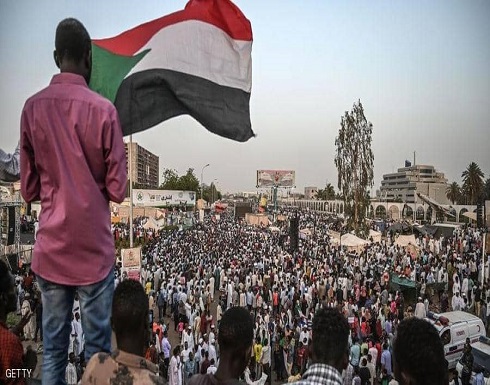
(130, 152)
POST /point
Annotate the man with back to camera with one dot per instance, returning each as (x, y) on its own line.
(329, 349)
(418, 354)
(72, 160)
(235, 339)
(127, 365)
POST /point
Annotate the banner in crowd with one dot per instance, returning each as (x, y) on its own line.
(131, 262)
(279, 178)
(143, 197)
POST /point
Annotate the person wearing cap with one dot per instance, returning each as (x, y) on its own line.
(420, 309)
(188, 337)
(455, 302)
(212, 336)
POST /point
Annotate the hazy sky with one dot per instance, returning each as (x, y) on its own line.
(421, 69)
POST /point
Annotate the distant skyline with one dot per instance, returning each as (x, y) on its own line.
(420, 68)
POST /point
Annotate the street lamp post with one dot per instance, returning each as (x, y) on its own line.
(213, 188)
(202, 172)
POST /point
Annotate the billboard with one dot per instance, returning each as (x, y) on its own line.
(279, 178)
(163, 197)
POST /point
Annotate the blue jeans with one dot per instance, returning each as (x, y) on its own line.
(95, 309)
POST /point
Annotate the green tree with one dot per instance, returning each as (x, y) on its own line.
(328, 193)
(170, 180)
(453, 192)
(473, 185)
(186, 182)
(355, 162)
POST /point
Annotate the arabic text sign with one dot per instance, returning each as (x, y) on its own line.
(279, 178)
(143, 197)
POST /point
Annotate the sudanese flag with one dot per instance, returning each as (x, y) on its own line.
(196, 62)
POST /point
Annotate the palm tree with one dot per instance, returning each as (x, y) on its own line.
(326, 194)
(330, 191)
(473, 182)
(453, 192)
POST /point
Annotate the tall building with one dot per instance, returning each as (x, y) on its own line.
(145, 166)
(403, 185)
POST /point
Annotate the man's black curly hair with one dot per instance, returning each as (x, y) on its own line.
(235, 330)
(72, 40)
(418, 352)
(330, 334)
(129, 307)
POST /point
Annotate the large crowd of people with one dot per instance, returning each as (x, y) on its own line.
(191, 277)
(229, 263)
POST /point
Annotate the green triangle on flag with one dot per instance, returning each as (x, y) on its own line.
(110, 71)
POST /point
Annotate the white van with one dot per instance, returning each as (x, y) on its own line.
(454, 327)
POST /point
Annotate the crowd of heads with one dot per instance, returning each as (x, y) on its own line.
(312, 303)
(255, 268)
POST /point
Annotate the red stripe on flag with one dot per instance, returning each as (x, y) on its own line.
(220, 13)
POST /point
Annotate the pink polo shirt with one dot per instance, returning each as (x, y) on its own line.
(73, 160)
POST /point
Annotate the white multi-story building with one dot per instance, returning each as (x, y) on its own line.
(404, 184)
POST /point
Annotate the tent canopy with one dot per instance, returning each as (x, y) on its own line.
(425, 230)
(405, 240)
(151, 223)
(472, 216)
(350, 240)
(376, 235)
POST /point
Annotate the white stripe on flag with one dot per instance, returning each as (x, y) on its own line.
(203, 50)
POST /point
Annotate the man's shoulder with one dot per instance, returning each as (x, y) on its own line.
(83, 94)
(103, 366)
(100, 366)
